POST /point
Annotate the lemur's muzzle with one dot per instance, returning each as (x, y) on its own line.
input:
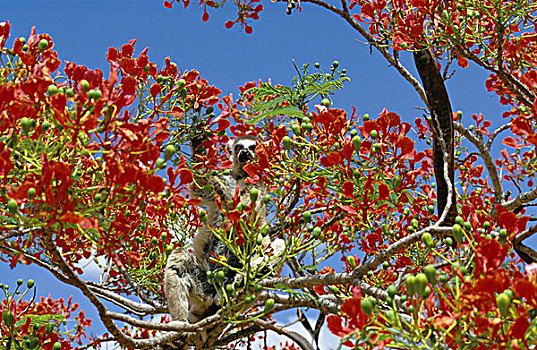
(246, 156)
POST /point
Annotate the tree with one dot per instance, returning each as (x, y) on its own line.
(99, 168)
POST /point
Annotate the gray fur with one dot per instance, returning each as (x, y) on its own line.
(191, 296)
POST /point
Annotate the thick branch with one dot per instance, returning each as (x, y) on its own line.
(136, 308)
(348, 278)
(442, 126)
(521, 199)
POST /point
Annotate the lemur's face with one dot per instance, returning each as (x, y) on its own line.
(243, 151)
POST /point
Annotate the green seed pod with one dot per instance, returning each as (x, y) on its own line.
(449, 242)
(396, 181)
(31, 193)
(229, 289)
(85, 85)
(325, 102)
(486, 225)
(504, 302)
(367, 306)
(467, 226)
(161, 163)
(457, 233)
(254, 193)
(30, 283)
(12, 206)
(351, 261)
(306, 216)
(57, 346)
(421, 283)
(26, 124)
(43, 44)
(266, 199)
(415, 223)
(459, 220)
(430, 272)
(335, 64)
(366, 117)
(269, 305)
(316, 233)
(203, 216)
(181, 83)
(410, 283)
(427, 239)
(8, 318)
(426, 292)
(502, 235)
(374, 134)
(357, 143)
(45, 125)
(392, 291)
(249, 299)
(296, 129)
(219, 276)
(169, 152)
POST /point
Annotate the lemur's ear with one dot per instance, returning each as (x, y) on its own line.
(229, 148)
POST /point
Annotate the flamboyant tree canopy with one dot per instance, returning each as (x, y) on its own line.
(97, 165)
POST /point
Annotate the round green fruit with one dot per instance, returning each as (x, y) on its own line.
(411, 285)
(374, 134)
(504, 302)
(161, 163)
(427, 239)
(254, 193)
(84, 84)
(219, 276)
(52, 89)
(430, 272)
(367, 306)
(269, 305)
(392, 291)
(12, 206)
(286, 140)
(356, 143)
(306, 216)
(8, 318)
(325, 102)
(457, 233)
(43, 43)
(169, 152)
(351, 261)
(421, 283)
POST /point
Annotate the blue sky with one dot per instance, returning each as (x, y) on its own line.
(84, 29)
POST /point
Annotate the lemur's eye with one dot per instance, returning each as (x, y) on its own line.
(238, 147)
(252, 148)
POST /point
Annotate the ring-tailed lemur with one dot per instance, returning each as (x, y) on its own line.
(191, 296)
